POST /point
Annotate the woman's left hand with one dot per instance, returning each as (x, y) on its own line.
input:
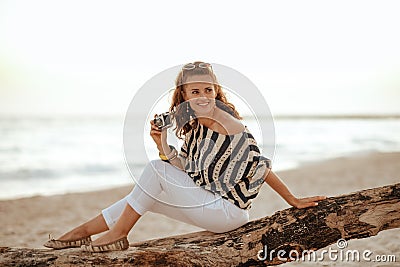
(306, 202)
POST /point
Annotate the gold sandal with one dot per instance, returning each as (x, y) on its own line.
(61, 244)
(120, 244)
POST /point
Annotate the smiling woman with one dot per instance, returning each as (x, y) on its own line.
(209, 183)
(198, 90)
(200, 94)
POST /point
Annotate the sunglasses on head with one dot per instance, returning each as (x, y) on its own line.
(202, 65)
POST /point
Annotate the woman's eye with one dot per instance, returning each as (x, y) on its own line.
(195, 92)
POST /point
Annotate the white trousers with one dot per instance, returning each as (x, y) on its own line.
(163, 188)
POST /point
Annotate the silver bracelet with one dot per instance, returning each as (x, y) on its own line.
(174, 156)
(173, 153)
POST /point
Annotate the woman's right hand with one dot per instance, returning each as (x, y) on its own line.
(159, 136)
(306, 202)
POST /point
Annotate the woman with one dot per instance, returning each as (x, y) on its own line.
(210, 183)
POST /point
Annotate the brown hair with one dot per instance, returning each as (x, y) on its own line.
(184, 116)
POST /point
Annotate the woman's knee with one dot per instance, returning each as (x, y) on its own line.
(151, 168)
(155, 165)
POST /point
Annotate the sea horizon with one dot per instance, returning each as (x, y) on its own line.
(47, 155)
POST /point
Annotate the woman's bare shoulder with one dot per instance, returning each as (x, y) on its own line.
(230, 124)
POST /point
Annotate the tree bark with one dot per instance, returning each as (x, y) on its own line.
(358, 215)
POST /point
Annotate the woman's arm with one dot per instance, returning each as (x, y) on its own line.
(165, 150)
(276, 183)
(160, 138)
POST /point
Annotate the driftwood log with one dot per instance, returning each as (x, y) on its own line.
(358, 215)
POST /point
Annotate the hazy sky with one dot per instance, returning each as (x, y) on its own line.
(307, 57)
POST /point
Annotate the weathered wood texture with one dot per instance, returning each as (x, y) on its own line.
(357, 215)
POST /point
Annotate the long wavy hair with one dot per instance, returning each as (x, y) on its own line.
(185, 117)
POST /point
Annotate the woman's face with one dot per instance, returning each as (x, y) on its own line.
(201, 95)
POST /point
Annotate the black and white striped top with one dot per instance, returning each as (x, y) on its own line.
(230, 165)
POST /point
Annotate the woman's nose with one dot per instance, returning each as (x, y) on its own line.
(202, 95)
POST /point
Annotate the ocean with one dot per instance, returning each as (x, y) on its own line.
(47, 156)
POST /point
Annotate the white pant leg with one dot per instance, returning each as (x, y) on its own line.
(218, 217)
(164, 189)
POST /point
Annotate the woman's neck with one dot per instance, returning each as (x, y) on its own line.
(206, 122)
(209, 120)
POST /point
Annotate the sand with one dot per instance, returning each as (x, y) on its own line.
(27, 222)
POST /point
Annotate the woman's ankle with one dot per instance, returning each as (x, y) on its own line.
(75, 234)
(118, 233)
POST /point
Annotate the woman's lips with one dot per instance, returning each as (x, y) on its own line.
(203, 104)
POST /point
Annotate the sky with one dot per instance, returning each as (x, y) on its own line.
(306, 57)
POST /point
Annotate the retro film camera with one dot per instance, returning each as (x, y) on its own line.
(164, 120)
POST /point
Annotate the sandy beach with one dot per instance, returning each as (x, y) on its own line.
(27, 222)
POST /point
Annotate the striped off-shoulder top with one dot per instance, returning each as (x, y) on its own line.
(229, 165)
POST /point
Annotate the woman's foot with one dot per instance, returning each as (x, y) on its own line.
(74, 235)
(91, 227)
(73, 239)
(61, 244)
(108, 237)
(115, 239)
(111, 241)
(120, 244)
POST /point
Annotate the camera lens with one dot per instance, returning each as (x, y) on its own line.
(158, 122)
